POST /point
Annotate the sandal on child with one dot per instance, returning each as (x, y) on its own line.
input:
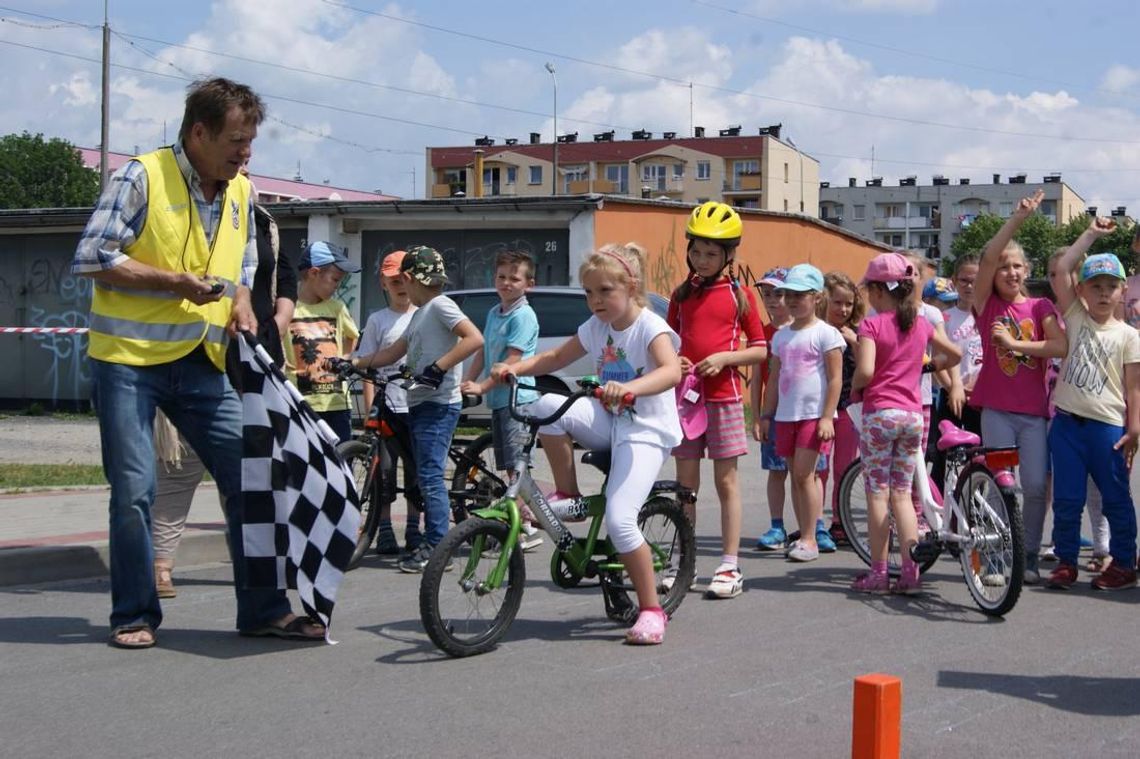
(164, 580)
(1098, 564)
(877, 583)
(119, 636)
(648, 630)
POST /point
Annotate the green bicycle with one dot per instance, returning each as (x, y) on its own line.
(468, 611)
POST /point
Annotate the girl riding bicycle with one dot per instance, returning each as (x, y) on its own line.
(888, 367)
(635, 353)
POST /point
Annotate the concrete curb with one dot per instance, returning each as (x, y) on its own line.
(52, 563)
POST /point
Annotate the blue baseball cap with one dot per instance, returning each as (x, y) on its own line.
(1100, 265)
(940, 288)
(803, 278)
(321, 253)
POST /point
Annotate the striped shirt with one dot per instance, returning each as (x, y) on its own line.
(120, 215)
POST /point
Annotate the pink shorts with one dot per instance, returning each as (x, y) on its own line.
(725, 437)
(801, 434)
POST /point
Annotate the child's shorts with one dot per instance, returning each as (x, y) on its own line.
(801, 434)
(508, 436)
(770, 461)
(725, 437)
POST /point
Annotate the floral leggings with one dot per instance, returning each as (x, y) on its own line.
(888, 444)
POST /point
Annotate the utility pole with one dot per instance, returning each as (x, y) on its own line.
(105, 126)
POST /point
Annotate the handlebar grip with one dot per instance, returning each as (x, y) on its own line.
(627, 400)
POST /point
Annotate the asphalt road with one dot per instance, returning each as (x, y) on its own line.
(767, 674)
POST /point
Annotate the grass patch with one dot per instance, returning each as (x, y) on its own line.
(50, 475)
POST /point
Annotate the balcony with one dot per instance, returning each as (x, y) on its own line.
(745, 183)
(902, 222)
(441, 190)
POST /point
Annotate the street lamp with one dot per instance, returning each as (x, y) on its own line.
(554, 178)
(793, 144)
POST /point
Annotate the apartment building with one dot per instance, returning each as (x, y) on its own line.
(758, 171)
(928, 217)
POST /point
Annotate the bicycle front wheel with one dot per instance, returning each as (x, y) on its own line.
(367, 476)
(853, 517)
(460, 612)
(994, 565)
(473, 486)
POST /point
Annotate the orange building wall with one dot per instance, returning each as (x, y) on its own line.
(769, 240)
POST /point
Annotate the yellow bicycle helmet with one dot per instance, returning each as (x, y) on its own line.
(715, 221)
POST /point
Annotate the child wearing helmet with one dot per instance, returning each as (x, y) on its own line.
(714, 315)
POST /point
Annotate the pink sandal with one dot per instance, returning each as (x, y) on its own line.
(649, 629)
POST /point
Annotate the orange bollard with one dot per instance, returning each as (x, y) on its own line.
(876, 726)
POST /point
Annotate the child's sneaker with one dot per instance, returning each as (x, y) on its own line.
(801, 553)
(909, 582)
(1048, 554)
(1115, 577)
(669, 579)
(529, 539)
(648, 630)
(727, 582)
(838, 534)
(1032, 574)
(772, 540)
(877, 583)
(386, 544)
(823, 540)
(1063, 577)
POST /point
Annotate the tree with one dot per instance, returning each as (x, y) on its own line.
(39, 173)
(1037, 236)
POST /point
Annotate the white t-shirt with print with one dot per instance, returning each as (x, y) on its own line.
(803, 370)
(623, 355)
(1091, 383)
(963, 332)
(383, 328)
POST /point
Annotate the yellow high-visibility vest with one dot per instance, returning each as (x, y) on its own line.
(147, 327)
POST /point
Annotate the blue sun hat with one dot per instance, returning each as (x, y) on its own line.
(1100, 265)
(803, 278)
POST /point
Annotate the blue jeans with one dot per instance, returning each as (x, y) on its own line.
(1080, 448)
(432, 427)
(200, 402)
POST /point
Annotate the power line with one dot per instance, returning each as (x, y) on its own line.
(902, 51)
(725, 90)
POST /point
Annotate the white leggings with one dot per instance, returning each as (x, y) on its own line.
(634, 464)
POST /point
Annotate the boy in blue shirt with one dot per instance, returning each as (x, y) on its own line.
(510, 335)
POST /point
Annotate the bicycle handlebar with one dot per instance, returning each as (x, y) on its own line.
(588, 390)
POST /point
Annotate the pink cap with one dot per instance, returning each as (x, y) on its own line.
(889, 268)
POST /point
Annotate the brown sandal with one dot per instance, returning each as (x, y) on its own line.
(164, 580)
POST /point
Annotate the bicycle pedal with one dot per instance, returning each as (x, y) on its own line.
(925, 550)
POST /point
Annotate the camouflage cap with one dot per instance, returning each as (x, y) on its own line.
(425, 265)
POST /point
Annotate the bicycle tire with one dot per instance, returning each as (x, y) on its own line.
(471, 487)
(451, 603)
(358, 455)
(667, 530)
(853, 517)
(1007, 559)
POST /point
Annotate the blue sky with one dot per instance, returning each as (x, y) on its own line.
(961, 88)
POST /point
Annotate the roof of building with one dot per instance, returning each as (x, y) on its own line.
(288, 188)
(603, 152)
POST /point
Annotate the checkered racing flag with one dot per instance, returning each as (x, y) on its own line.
(302, 511)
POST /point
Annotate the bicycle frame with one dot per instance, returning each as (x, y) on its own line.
(957, 458)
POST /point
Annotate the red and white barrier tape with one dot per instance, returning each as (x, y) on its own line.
(43, 330)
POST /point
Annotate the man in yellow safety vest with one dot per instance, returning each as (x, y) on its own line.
(172, 251)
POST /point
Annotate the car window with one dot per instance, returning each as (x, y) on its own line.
(659, 304)
(476, 305)
(559, 315)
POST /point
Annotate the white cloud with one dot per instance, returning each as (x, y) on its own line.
(1120, 78)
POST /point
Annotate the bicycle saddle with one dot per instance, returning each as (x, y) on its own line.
(952, 436)
(598, 460)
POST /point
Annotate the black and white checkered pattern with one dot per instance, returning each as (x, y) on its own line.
(301, 512)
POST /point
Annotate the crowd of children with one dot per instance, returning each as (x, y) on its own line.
(1057, 381)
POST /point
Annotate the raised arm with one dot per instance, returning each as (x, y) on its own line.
(988, 264)
(1065, 291)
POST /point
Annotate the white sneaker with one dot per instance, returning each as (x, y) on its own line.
(801, 553)
(529, 539)
(727, 582)
(994, 580)
(669, 579)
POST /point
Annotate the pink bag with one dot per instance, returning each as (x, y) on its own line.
(691, 406)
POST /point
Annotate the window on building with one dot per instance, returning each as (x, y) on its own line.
(785, 205)
(860, 213)
(678, 172)
(704, 170)
(535, 175)
(456, 179)
(896, 241)
(1005, 209)
(619, 175)
(512, 174)
(744, 168)
(653, 175)
(785, 172)
(890, 210)
(573, 174)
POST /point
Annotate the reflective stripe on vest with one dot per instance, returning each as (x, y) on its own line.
(145, 327)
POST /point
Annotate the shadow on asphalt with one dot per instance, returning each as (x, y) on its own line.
(1100, 696)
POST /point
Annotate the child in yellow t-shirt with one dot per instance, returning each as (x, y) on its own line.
(321, 329)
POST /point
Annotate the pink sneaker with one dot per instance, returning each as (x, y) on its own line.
(648, 630)
(909, 582)
(872, 582)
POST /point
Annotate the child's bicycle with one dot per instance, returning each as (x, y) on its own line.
(984, 528)
(473, 584)
(474, 482)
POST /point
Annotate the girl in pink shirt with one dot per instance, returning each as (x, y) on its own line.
(888, 365)
(1019, 335)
